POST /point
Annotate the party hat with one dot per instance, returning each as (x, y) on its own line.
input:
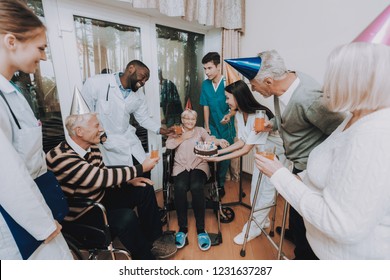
(248, 66)
(231, 75)
(79, 106)
(378, 31)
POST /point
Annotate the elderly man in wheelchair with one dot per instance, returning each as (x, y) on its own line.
(79, 168)
(190, 173)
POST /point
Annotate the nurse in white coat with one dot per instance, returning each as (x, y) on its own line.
(240, 99)
(22, 157)
(115, 97)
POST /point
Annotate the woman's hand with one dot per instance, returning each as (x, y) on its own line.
(149, 164)
(222, 143)
(267, 166)
(56, 232)
(210, 159)
(226, 119)
(140, 182)
(267, 127)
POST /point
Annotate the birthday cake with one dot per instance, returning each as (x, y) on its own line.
(205, 149)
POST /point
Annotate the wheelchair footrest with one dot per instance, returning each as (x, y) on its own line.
(216, 238)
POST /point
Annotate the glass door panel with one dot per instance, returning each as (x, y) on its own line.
(40, 90)
(179, 55)
(105, 46)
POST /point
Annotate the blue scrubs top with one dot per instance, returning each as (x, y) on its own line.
(216, 101)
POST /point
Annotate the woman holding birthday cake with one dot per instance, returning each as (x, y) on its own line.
(240, 99)
(190, 173)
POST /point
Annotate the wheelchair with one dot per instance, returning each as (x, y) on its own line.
(90, 232)
(223, 214)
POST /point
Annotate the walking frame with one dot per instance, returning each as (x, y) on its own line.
(278, 247)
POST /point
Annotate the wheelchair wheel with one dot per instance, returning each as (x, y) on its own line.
(77, 255)
(226, 214)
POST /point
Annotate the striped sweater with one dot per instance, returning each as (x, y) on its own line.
(86, 178)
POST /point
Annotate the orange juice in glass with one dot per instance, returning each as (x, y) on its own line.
(178, 129)
(268, 152)
(259, 120)
(153, 151)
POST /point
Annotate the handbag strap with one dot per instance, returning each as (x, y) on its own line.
(9, 107)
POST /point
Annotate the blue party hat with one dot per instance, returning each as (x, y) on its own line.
(248, 66)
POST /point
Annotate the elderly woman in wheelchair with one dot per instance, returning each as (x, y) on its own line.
(190, 173)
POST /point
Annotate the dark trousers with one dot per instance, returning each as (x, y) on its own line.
(136, 233)
(222, 169)
(193, 181)
(302, 249)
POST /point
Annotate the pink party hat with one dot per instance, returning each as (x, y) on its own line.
(378, 31)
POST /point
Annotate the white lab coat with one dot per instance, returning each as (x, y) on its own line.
(28, 140)
(102, 94)
(22, 159)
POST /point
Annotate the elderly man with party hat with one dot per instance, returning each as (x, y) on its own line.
(301, 118)
(79, 168)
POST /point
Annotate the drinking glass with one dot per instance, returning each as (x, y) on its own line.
(259, 120)
(153, 151)
(266, 151)
(178, 129)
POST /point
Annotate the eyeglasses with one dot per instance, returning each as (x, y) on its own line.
(188, 119)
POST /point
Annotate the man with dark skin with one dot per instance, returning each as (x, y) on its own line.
(115, 97)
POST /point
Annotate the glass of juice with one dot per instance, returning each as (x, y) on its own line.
(266, 151)
(259, 120)
(153, 151)
(178, 129)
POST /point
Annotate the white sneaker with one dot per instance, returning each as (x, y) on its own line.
(267, 223)
(239, 239)
(253, 232)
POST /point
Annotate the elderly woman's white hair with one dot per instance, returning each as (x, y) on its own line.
(74, 121)
(188, 112)
(358, 77)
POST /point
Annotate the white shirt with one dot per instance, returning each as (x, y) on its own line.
(245, 131)
(344, 198)
(285, 97)
(77, 148)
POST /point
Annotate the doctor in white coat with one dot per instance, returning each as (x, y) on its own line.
(22, 46)
(115, 97)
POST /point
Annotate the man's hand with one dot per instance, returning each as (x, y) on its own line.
(54, 233)
(140, 182)
(149, 163)
(167, 131)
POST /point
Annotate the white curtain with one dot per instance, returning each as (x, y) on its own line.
(228, 14)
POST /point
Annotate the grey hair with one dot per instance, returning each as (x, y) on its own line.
(74, 121)
(357, 77)
(272, 66)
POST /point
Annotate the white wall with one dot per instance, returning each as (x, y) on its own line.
(305, 31)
